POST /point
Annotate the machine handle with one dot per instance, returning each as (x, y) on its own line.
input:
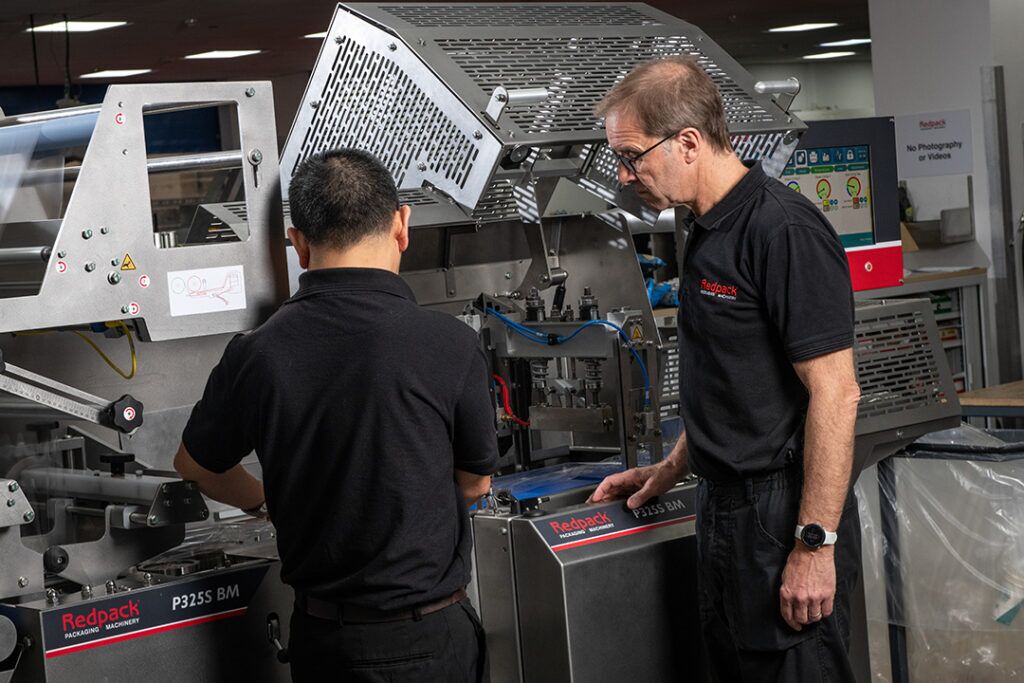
(274, 637)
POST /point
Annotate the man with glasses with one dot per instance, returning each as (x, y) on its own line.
(768, 390)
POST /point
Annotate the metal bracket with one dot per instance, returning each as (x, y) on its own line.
(544, 271)
(786, 90)
(94, 562)
(502, 98)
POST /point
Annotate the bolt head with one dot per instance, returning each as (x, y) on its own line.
(421, 166)
(22, 581)
(86, 234)
(104, 230)
(115, 261)
(152, 519)
(314, 104)
(61, 254)
(12, 486)
(90, 266)
(28, 516)
(477, 135)
(114, 277)
(250, 92)
(256, 156)
(10, 502)
(125, 309)
(392, 47)
(339, 40)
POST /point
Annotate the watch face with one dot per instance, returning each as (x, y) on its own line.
(813, 536)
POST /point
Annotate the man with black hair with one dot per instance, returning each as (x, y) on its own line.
(374, 425)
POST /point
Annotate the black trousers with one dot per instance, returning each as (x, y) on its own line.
(447, 645)
(744, 537)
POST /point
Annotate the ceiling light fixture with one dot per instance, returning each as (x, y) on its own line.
(321, 35)
(116, 73)
(802, 27)
(847, 43)
(75, 26)
(223, 54)
(830, 55)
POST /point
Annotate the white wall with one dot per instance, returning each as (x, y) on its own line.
(927, 56)
(828, 90)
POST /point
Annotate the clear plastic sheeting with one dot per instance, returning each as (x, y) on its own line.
(948, 535)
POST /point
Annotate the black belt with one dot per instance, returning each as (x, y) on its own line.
(357, 614)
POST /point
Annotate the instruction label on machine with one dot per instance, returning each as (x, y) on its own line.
(206, 290)
(149, 611)
(586, 526)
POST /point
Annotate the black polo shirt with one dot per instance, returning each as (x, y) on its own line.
(765, 283)
(359, 405)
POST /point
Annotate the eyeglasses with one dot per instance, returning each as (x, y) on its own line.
(631, 162)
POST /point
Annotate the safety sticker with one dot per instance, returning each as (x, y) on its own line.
(638, 333)
(143, 281)
(206, 290)
(127, 263)
(62, 267)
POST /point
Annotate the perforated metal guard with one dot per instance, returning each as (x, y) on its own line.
(443, 16)
(409, 83)
(579, 71)
(899, 365)
(398, 128)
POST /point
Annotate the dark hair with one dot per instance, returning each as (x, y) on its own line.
(341, 196)
(668, 95)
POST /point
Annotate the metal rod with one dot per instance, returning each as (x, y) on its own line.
(181, 162)
(17, 255)
(214, 160)
(788, 86)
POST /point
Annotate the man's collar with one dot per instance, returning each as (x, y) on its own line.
(352, 280)
(753, 179)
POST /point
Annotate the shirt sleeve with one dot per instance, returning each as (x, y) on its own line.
(807, 291)
(475, 441)
(214, 435)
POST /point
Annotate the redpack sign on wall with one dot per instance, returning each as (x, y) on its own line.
(149, 611)
(585, 526)
(934, 144)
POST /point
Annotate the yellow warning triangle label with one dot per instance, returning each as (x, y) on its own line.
(127, 263)
(638, 333)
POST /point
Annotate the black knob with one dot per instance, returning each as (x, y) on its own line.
(55, 559)
(117, 461)
(126, 414)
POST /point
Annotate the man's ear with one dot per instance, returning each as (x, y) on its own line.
(301, 245)
(690, 142)
(400, 227)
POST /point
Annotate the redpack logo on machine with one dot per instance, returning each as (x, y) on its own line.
(599, 521)
(107, 618)
(718, 290)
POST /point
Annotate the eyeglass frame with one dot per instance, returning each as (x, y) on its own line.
(630, 162)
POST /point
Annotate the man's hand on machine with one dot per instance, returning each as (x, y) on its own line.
(640, 483)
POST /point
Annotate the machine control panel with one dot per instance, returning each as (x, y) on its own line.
(585, 525)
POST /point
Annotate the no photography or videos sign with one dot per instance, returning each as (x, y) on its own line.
(934, 144)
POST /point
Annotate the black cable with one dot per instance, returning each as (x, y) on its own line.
(35, 53)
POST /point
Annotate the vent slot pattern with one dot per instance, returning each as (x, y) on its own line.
(369, 102)
(577, 73)
(443, 16)
(499, 204)
(896, 365)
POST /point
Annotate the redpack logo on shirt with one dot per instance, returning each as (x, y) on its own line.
(718, 290)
